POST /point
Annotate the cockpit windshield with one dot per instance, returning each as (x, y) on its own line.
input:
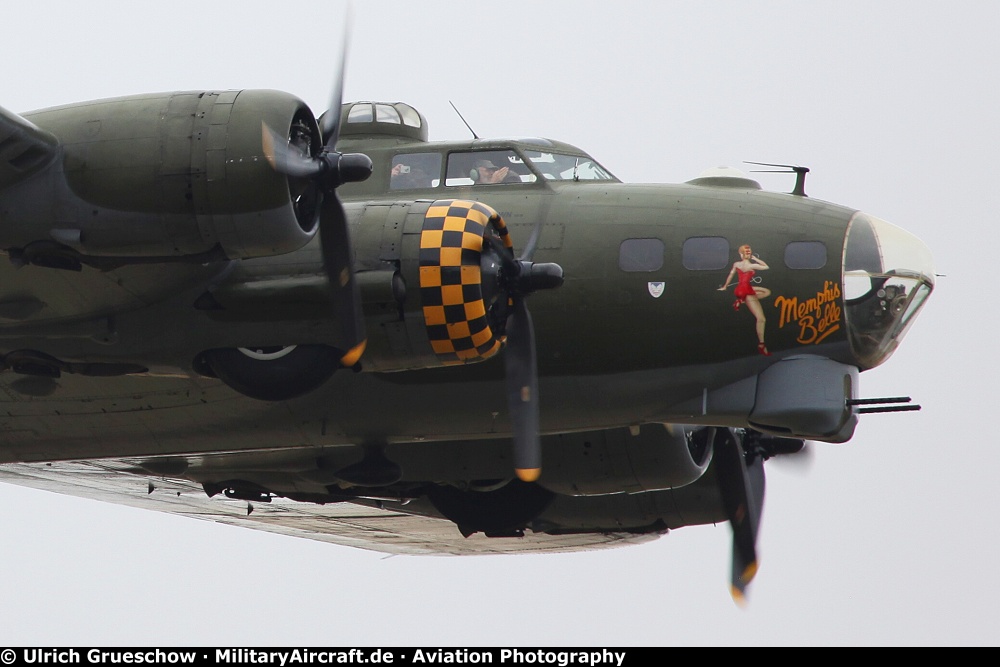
(888, 274)
(507, 166)
(561, 167)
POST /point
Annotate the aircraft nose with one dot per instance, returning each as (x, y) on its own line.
(888, 275)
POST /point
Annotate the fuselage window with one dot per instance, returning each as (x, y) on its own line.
(411, 171)
(705, 253)
(486, 168)
(641, 255)
(805, 255)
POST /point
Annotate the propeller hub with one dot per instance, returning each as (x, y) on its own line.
(532, 276)
(340, 168)
(354, 167)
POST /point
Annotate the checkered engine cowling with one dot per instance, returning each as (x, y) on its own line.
(465, 322)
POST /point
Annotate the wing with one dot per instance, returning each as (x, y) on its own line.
(24, 148)
(193, 447)
(387, 527)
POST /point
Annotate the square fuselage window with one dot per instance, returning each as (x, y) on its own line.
(805, 255)
(705, 253)
(641, 255)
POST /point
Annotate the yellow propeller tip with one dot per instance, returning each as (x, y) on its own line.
(749, 572)
(354, 354)
(528, 474)
(738, 597)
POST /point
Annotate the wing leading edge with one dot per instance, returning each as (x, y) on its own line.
(24, 148)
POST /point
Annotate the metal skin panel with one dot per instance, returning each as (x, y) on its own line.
(806, 396)
(652, 457)
(172, 174)
(116, 148)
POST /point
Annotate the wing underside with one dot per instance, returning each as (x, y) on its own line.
(388, 529)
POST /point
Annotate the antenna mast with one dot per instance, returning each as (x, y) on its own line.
(800, 174)
(474, 135)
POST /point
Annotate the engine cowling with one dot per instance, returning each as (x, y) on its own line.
(171, 175)
(463, 307)
(613, 462)
(456, 303)
(651, 457)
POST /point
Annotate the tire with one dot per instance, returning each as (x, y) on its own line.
(274, 373)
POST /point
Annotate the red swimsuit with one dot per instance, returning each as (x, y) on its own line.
(743, 288)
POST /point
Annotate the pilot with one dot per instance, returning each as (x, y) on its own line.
(485, 172)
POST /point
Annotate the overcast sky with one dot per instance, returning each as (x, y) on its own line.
(889, 539)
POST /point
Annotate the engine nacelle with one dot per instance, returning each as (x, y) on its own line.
(445, 304)
(455, 314)
(613, 463)
(650, 457)
(168, 175)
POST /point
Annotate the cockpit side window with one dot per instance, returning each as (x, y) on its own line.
(411, 171)
(560, 167)
(487, 168)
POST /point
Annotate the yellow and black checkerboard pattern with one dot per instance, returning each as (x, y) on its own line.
(451, 245)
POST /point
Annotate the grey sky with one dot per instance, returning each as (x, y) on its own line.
(890, 539)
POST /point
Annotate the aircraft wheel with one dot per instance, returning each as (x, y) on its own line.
(505, 511)
(274, 373)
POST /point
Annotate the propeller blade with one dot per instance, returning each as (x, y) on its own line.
(797, 460)
(327, 170)
(331, 119)
(522, 392)
(532, 243)
(285, 158)
(741, 486)
(336, 245)
(519, 278)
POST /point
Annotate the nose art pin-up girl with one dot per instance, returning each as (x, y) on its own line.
(748, 293)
